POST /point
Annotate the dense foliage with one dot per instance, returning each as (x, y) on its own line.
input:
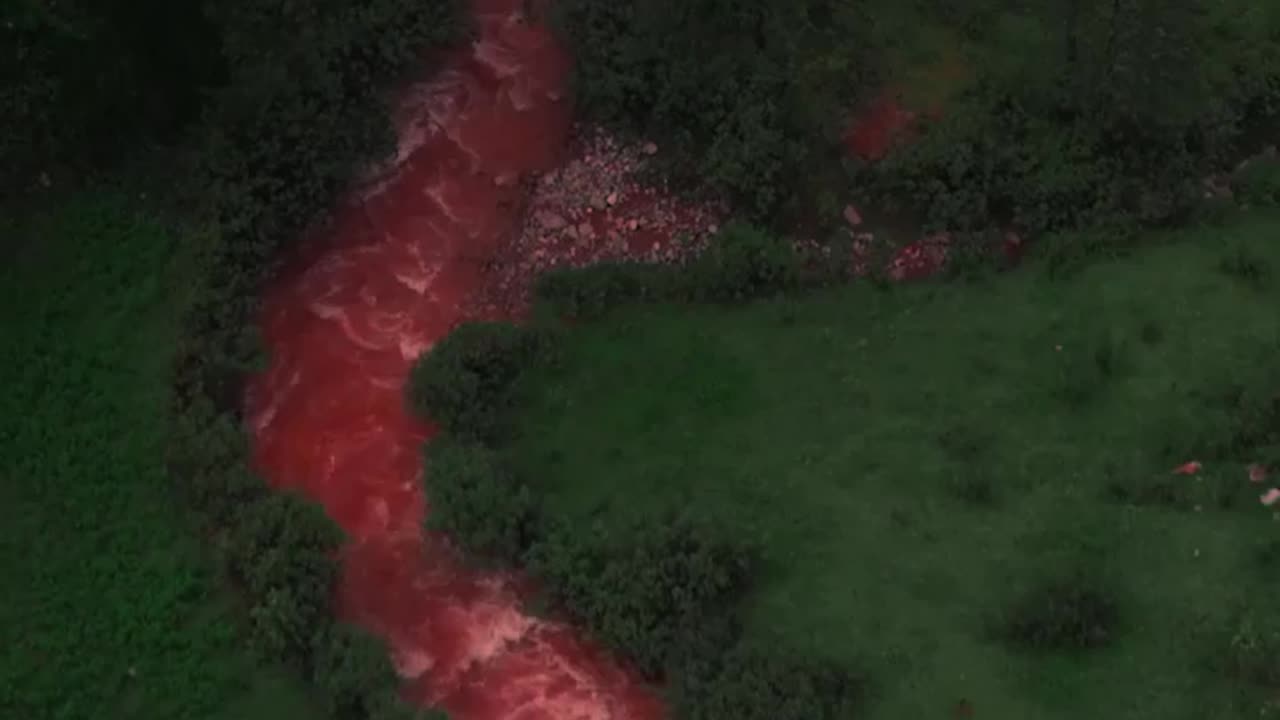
(1123, 110)
(1069, 112)
(751, 93)
(465, 382)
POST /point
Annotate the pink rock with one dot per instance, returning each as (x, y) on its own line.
(650, 148)
(1270, 497)
(1257, 472)
(549, 220)
(1188, 468)
(852, 216)
(612, 199)
(633, 224)
(584, 230)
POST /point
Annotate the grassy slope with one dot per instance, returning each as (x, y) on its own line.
(100, 575)
(844, 431)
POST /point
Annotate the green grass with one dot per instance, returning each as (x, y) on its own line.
(911, 462)
(107, 606)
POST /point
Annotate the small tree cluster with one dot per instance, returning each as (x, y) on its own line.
(465, 382)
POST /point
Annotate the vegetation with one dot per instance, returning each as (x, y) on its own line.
(289, 121)
(110, 609)
(1021, 478)
(1055, 113)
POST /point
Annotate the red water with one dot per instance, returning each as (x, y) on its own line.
(874, 131)
(392, 275)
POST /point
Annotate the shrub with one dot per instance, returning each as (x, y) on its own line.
(590, 292)
(280, 553)
(1247, 267)
(1258, 183)
(743, 263)
(1070, 613)
(465, 381)
(353, 673)
(1253, 652)
(638, 588)
(477, 502)
(753, 684)
(207, 454)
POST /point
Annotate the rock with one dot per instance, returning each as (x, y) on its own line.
(852, 216)
(612, 199)
(650, 148)
(633, 224)
(584, 231)
(549, 220)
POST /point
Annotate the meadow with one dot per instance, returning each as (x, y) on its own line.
(110, 607)
(964, 491)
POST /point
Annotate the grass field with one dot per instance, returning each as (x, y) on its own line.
(913, 462)
(107, 606)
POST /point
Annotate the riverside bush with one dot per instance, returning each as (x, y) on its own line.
(280, 553)
(477, 502)
(752, 684)
(356, 677)
(743, 262)
(465, 381)
(590, 292)
(637, 588)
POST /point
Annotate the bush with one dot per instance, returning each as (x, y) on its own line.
(281, 554)
(353, 673)
(1258, 183)
(592, 291)
(743, 263)
(1253, 652)
(1071, 613)
(465, 381)
(638, 588)
(477, 502)
(748, 684)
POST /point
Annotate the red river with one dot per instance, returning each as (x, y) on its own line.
(405, 257)
(392, 275)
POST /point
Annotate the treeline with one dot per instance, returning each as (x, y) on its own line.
(662, 591)
(82, 83)
(305, 103)
(1079, 112)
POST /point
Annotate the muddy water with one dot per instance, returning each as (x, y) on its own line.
(390, 277)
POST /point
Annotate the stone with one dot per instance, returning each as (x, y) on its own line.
(612, 199)
(650, 148)
(852, 216)
(549, 220)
